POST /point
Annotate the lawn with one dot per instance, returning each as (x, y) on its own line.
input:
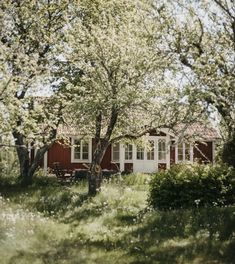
(50, 223)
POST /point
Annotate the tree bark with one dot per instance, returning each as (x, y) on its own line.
(27, 169)
(23, 156)
(95, 173)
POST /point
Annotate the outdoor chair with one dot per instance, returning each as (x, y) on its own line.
(80, 174)
(63, 175)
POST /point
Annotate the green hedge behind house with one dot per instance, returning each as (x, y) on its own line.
(185, 186)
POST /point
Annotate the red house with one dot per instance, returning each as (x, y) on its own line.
(163, 149)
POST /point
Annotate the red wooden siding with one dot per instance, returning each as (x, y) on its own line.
(128, 167)
(203, 152)
(106, 162)
(62, 153)
(161, 166)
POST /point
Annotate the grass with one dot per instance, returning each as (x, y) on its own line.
(50, 223)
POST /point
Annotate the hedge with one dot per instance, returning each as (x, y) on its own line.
(185, 186)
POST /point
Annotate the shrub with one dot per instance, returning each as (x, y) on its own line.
(42, 179)
(9, 168)
(228, 152)
(185, 186)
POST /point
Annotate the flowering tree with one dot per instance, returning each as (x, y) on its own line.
(120, 91)
(29, 31)
(205, 44)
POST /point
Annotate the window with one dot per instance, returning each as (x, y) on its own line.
(187, 152)
(139, 153)
(180, 152)
(183, 152)
(150, 151)
(128, 152)
(162, 149)
(80, 150)
(115, 152)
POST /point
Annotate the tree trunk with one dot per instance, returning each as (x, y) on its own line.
(95, 173)
(27, 170)
(23, 157)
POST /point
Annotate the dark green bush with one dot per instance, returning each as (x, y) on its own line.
(185, 186)
(228, 152)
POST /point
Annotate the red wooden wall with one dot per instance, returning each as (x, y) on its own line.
(62, 153)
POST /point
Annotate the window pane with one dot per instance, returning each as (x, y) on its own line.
(85, 147)
(76, 155)
(180, 152)
(85, 150)
(77, 149)
(115, 152)
(150, 152)
(187, 151)
(81, 149)
(85, 156)
(162, 149)
(128, 152)
(140, 153)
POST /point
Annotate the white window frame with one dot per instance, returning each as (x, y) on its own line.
(73, 160)
(151, 150)
(136, 148)
(128, 151)
(166, 150)
(112, 159)
(190, 151)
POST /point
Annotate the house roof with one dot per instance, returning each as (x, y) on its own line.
(194, 131)
(197, 131)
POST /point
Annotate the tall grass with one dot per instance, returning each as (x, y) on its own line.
(9, 167)
(50, 223)
(25, 234)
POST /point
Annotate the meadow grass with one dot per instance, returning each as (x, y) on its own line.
(51, 223)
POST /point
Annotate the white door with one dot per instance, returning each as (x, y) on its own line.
(145, 159)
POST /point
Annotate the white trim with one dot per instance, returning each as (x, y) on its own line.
(122, 157)
(164, 161)
(129, 160)
(150, 150)
(73, 160)
(156, 152)
(45, 162)
(190, 154)
(112, 159)
(135, 150)
(168, 152)
(213, 152)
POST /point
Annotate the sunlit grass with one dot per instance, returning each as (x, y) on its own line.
(24, 231)
(50, 223)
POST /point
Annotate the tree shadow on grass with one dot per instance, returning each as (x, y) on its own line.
(182, 236)
(185, 236)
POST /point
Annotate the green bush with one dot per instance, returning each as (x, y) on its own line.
(228, 152)
(185, 186)
(9, 167)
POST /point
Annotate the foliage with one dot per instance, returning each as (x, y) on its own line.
(30, 31)
(203, 43)
(119, 47)
(115, 226)
(228, 151)
(8, 167)
(136, 179)
(185, 186)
